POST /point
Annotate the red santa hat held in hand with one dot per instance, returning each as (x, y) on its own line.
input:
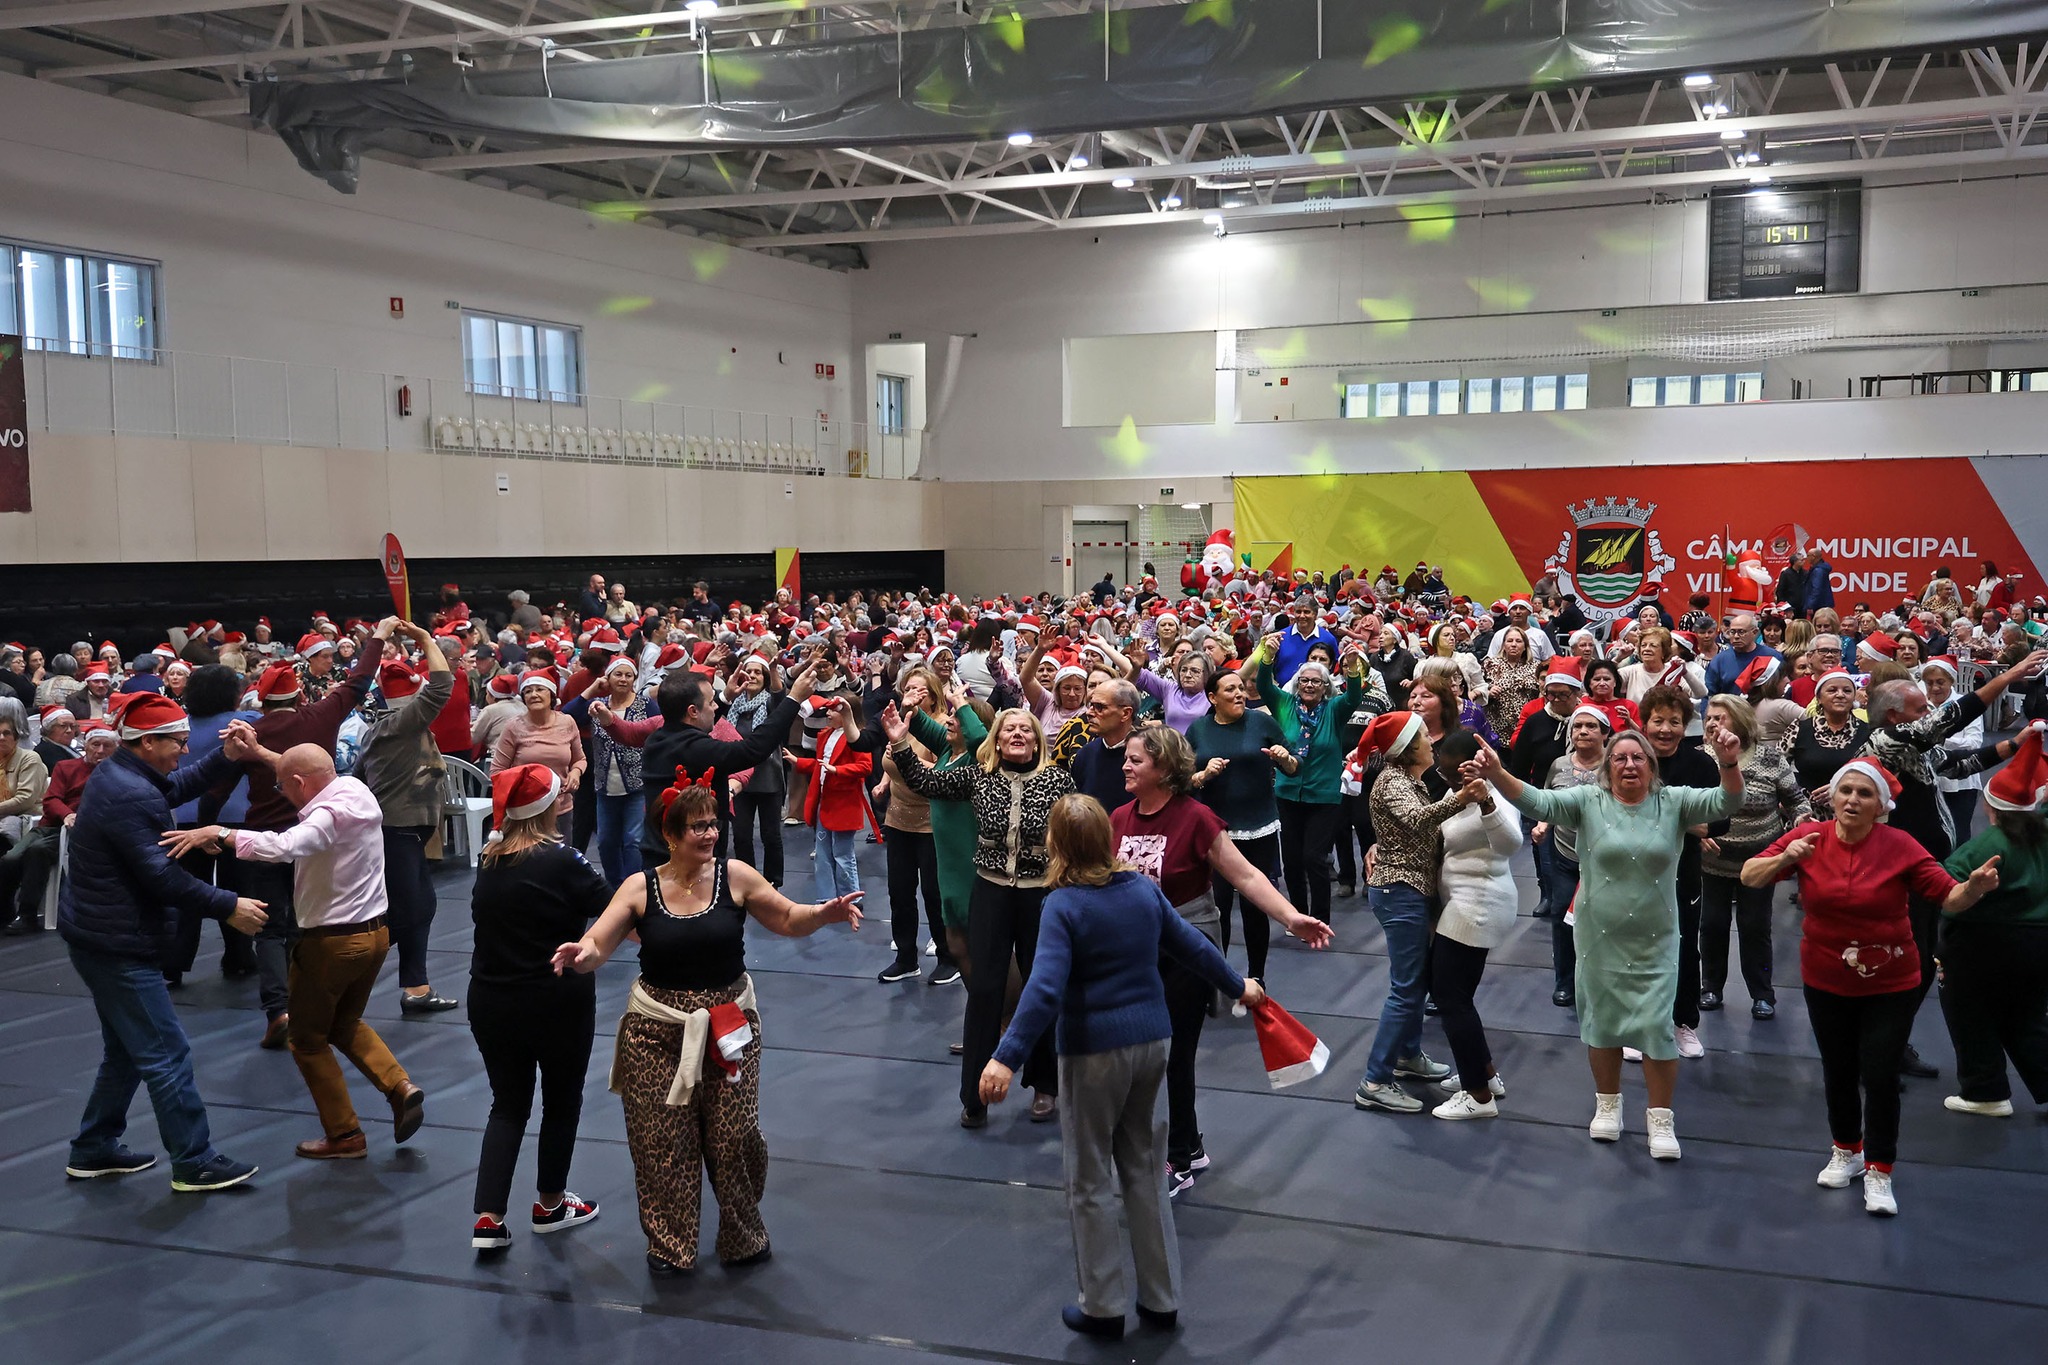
(2022, 785)
(1291, 1053)
(520, 793)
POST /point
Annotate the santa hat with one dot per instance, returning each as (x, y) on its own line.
(397, 679)
(1069, 671)
(152, 713)
(670, 656)
(109, 647)
(1030, 623)
(540, 677)
(176, 666)
(162, 651)
(1888, 787)
(1599, 713)
(1291, 1053)
(1824, 679)
(1947, 663)
(280, 682)
(2022, 785)
(521, 792)
(100, 671)
(313, 643)
(1389, 734)
(1877, 646)
(54, 713)
(621, 662)
(606, 639)
(1758, 672)
(1564, 669)
(730, 1036)
(1686, 641)
(504, 684)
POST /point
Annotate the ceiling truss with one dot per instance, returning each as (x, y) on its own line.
(1978, 107)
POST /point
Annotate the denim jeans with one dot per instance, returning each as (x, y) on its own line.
(618, 834)
(1558, 895)
(836, 873)
(1403, 913)
(143, 1044)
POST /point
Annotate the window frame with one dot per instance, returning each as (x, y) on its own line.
(535, 361)
(892, 403)
(93, 314)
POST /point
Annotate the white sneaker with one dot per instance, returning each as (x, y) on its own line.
(1451, 1085)
(1463, 1106)
(931, 947)
(1689, 1044)
(1663, 1134)
(1877, 1194)
(1606, 1124)
(1843, 1166)
(1421, 1066)
(1997, 1109)
(1631, 1054)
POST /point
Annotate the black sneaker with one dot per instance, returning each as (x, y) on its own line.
(946, 975)
(1710, 1001)
(489, 1234)
(1914, 1064)
(1763, 1009)
(218, 1174)
(429, 1003)
(1200, 1160)
(573, 1209)
(899, 971)
(1110, 1329)
(1178, 1179)
(1162, 1319)
(120, 1161)
(1564, 1000)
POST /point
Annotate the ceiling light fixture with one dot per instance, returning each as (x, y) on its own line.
(1191, 507)
(1698, 80)
(1123, 182)
(1759, 177)
(1733, 133)
(1714, 109)
(1171, 201)
(699, 6)
(1020, 139)
(1213, 219)
(1079, 162)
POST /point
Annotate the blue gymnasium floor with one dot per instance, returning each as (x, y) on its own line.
(1320, 1233)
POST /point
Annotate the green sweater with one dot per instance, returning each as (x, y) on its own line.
(1318, 781)
(2022, 894)
(954, 830)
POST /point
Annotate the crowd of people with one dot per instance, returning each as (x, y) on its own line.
(1080, 804)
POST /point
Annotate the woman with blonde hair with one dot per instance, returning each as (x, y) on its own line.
(1105, 930)
(690, 1017)
(1514, 678)
(532, 892)
(1011, 788)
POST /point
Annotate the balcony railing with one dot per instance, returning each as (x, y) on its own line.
(192, 396)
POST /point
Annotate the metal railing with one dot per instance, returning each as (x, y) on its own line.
(189, 395)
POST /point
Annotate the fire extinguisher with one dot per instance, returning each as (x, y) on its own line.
(405, 400)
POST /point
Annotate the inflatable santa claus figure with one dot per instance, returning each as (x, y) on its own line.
(1750, 587)
(1216, 567)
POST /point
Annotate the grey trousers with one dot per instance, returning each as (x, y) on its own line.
(1113, 1138)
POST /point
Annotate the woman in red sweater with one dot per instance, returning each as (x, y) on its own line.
(1858, 961)
(836, 801)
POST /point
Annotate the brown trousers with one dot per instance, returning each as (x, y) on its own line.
(330, 982)
(674, 1145)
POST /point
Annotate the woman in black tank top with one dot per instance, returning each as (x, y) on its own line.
(691, 916)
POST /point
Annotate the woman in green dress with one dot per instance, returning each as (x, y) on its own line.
(953, 740)
(1631, 830)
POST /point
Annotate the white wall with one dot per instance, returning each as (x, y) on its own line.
(1005, 421)
(262, 259)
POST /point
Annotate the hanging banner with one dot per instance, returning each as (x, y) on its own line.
(1261, 555)
(13, 427)
(396, 579)
(1617, 537)
(789, 571)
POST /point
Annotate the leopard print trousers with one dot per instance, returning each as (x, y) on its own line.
(673, 1146)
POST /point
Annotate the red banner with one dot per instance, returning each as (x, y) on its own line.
(396, 579)
(1619, 537)
(13, 427)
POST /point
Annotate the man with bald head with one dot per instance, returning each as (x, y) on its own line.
(1743, 646)
(337, 855)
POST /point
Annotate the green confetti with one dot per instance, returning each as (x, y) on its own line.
(616, 307)
(1429, 222)
(1391, 36)
(1217, 12)
(1125, 446)
(1501, 295)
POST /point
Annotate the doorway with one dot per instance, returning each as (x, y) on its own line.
(1101, 547)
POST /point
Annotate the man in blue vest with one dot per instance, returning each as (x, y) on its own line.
(118, 912)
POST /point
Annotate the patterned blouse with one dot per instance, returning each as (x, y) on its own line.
(1513, 686)
(1772, 802)
(1409, 831)
(1010, 811)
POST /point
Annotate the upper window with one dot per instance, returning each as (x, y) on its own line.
(1440, 397)
(889, 403)
(505, 357)
(1692, 390)
(60, 300)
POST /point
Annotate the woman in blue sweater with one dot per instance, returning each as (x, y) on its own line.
(1103, 930)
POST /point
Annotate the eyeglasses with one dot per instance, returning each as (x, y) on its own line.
(703, 827)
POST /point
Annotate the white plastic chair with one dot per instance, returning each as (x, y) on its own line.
(51, 891)
(444, 433)
(468, 809)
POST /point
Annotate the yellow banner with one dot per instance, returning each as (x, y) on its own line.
(1367, 520)
(1278, 556)
(789, 570)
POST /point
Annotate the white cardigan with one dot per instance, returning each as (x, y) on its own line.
(1477, 889)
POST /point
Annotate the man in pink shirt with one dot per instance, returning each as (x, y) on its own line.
(337, 852)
